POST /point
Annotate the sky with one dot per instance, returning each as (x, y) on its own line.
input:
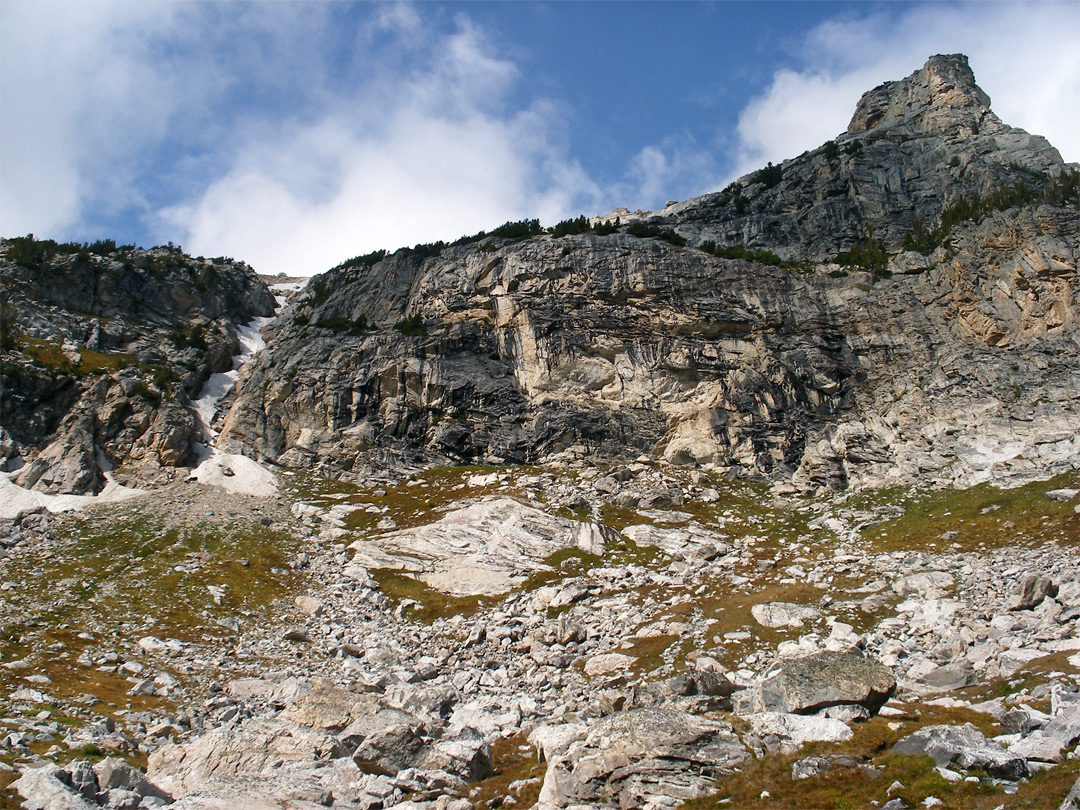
(295, 135)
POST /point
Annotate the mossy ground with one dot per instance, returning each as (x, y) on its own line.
(107, 581)
(853, 787)
(984, 516)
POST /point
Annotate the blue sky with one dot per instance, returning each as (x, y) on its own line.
(296, 135)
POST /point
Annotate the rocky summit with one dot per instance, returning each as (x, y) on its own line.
(767, 499)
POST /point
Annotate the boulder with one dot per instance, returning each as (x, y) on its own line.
(329, 707)
(632, 758)
(46, 788)
(924, 584)
(1072, 799)
(810, 684)
(389, 750)
(963, 747)
(787, 732)
(1033, 590)
(784, 614)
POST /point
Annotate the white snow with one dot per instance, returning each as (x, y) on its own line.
(251, 341)
(15, 499)
(231, 471)
(234, 472)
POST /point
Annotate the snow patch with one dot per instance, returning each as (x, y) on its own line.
(15, 499)
(234, 473)
(219, 385)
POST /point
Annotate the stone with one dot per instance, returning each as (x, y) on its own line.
(1062, 495)
(965, 748)
(486, 548)
(1033, 590)
(1038, 746)
(808, 767)
(784, 614)
(116, 773)
(790, 731)
(1072, 799)
(552, 741)
(467, 755)
(43, 788)
(810, 684)
(925, 584)
(389, 749)
(310, 606)
(949, 677)
(330, 707)
(629, 757)
(608, 663)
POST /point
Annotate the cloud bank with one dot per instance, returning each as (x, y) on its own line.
(294, 136)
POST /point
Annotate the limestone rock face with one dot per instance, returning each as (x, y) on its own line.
(912, 147)
(962, 364)
(485, 548)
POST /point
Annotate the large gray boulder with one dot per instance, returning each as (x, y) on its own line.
(631, 757)
(808, 685)
(1032, 591)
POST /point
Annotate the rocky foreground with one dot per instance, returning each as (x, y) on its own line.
(635, 637)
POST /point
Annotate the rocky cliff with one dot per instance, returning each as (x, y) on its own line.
(900, 301)
(103, 349)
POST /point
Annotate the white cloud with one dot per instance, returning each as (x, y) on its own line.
(433, 156)
(78, 96)
(1023, 54)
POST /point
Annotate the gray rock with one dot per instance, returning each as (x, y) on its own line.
(1033, 590)
(965, 748)
(631, 757)
(467, 755)
(1062, 495)
(389, 749)
(810, 684)
(113, 773)
(1072, 799)
(44, 788)
(546, 347)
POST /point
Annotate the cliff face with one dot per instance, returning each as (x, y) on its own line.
(962, 360)
(102, 354)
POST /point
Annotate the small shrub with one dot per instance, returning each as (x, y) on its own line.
(164, 377)
(867, 254)
(522, 229)
(412, 326)
(607, 228)
(9, 338)
(569, 227)
(854, 148)
(769, 177)
(831, 150)
(355, 327)
(141, 389)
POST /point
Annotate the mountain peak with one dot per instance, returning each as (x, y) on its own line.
(940, 95)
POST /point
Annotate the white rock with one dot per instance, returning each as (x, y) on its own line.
(784, 614)
(795, 729)
(607, 663)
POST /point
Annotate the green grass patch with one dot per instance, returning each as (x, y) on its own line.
(985, 517)
(432, 604)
